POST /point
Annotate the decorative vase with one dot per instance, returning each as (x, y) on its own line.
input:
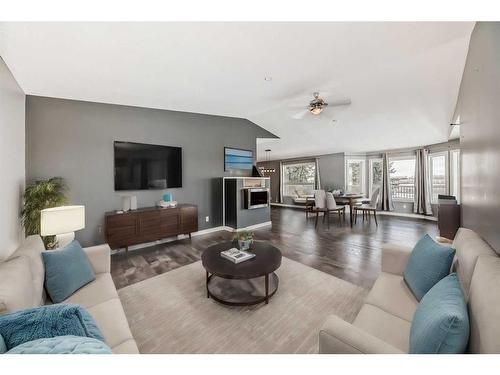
(244, 244)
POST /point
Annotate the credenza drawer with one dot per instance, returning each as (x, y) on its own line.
(146, 225)
(117, 237)
(189, 219)
(169, 230)
(120, 220)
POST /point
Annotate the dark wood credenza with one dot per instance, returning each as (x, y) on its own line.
(149, 224)
(448, 220)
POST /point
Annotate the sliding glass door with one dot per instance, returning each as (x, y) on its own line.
(438, 167)
(402, 178)
(355, 175)
(455, 174)
(444, 174)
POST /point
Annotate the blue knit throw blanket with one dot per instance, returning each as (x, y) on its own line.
(45, 322)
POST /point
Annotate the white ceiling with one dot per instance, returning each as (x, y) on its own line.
(402, 78)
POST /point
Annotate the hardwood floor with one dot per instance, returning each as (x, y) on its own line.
(352, 254)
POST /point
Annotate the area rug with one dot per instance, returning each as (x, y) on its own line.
(171, 313)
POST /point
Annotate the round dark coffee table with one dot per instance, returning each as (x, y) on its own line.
(241, 284)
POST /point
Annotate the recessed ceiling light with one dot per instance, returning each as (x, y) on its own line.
(268, 79)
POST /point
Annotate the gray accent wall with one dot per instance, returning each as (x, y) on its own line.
(12, 112)
(74, 140)
(479, 111)
(237, 216)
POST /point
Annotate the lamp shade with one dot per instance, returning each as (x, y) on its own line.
(62, 219)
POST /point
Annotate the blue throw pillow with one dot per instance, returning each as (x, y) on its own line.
(45, 322)
(66, 271)
(62, 345)
(3, 347)
(441, 322)
(429, 262)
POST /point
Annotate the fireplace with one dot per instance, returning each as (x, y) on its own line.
(256, 198)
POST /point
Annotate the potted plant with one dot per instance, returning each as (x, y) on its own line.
(245, 239)
(41, 194)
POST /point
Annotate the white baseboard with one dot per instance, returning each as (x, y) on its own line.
(388, 213)
(194, 234)
(200, 232)
(300, 207)
(402, 214)
(252, 227)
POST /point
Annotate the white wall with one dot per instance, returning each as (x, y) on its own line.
(12, 170)
(480, 133)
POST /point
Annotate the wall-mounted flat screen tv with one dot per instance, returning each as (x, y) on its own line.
(140, 166)
(237, 159)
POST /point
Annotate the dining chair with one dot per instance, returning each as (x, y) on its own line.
(325, 203)
(331, 206)
(319, 204)
(309, 206)
(369, 208)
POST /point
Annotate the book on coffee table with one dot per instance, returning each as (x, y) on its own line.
(236, 256)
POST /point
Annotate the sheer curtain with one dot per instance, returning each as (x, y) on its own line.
(422, 197)
(318, 180)
(386, 195)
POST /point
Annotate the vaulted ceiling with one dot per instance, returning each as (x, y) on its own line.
(402, 78)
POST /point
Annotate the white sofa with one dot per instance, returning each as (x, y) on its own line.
(383, 323)
(21, 287)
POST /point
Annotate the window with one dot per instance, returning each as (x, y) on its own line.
(375, 175)
(438, 176)
(455, 174)
(299, 179)
(402, 178)
(444, 174)
(355, 175)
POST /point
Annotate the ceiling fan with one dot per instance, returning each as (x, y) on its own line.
(318, 105)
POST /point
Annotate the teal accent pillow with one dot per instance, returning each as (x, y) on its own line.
(66, 271)
(46, 322)
(441, 322)
(3, 347)
(429, 262)
(62, 345)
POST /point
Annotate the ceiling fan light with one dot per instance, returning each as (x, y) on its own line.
(316, 110)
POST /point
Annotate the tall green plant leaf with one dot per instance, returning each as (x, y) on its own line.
(38, 196)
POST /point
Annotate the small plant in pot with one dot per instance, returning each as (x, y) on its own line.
(245, 239)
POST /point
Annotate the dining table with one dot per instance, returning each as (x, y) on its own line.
(349, 199)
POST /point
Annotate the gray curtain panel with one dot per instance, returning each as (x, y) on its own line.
(318, 180)
(280, 197)
(386, 197)
(422, 197)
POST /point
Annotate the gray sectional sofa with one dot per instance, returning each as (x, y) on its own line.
(21, 287)
(383, 323)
